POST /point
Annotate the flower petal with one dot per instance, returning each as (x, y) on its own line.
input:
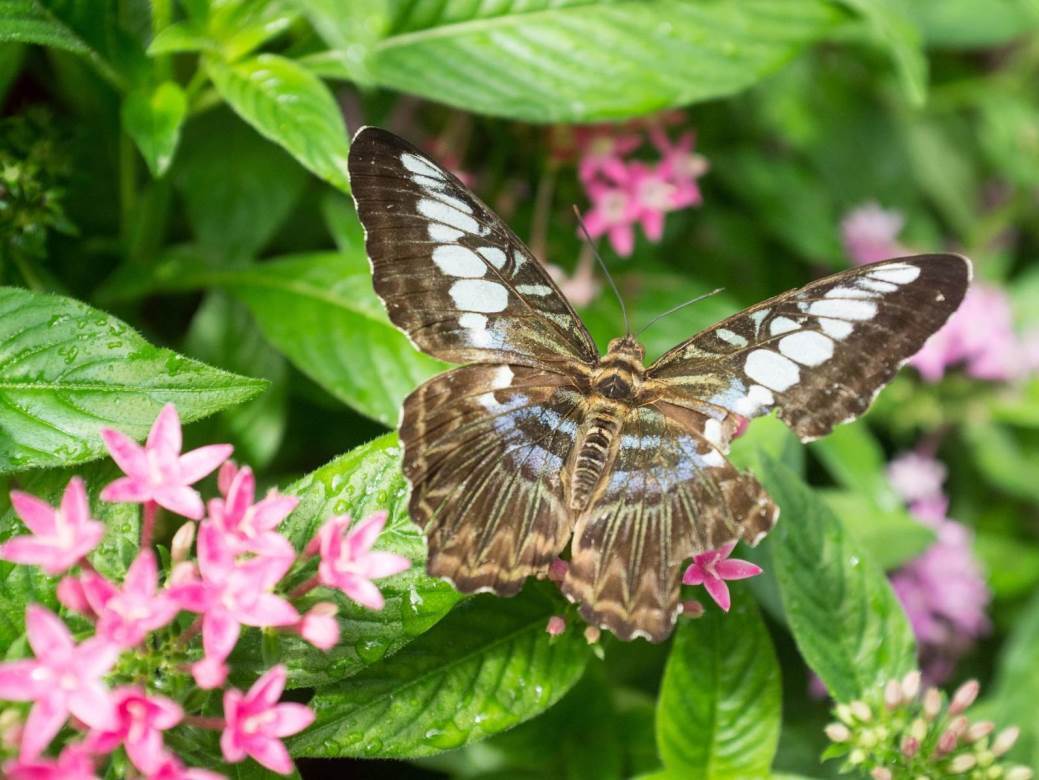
(142, 578)
(382, 564)
(230, 747)
(268, 513)
(48, 636)
(694, 575)
(95, 657)
(165, 437)
(241, 493)
(219, 633)
(75, 508)
(92, 704)
(36, 513)
(735, 569)
(33, 551)
(180, 500)
(145, 750)
(719, 592)
(198, 463)
(361, 537)
(266, 691)
(362, 591)
(16, 681)
(272, 754)
(268, 610)
(291, 718)
(127, 490)
(127, 454)
(45, 720)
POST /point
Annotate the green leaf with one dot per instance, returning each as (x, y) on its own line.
(350, 28)
(292, 107)
(153, 118)
(889, 538)
(487, 667)
(1011, 565)
(241, 26)
(718, 714)
(26, 22)
(969, 24)
(181, 37)
(320, 311)
(67, 370)
(22, 585)
(582, 60)
(1016, 688)
(358, 483)
(894, 27)
(224, 173)
(843, 614)
(1004, 459)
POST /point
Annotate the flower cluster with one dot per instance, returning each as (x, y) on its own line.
(942, 590)
(980, 335)
(898, 733)
(626, 192)
(236, 579)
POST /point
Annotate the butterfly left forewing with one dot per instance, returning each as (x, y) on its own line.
(670, 493)
(819, 354)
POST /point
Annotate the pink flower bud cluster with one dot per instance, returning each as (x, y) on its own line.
(235, 580)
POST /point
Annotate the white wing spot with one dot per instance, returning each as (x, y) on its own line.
(534, 289)
(771, 369)
(809, 347)
(479, 295)
(730, 337)
(844, 309)
(756, 398)
(849, 292)
(416, 164)
(502, 378)
(836, 329)
(473, 321)
(712, 431)
(782, 325)
(443, 234)
(875, 285)
(456, 260)
(441, 212)
(758, 317)
(713, 458)
(897, 274)
(493, 255)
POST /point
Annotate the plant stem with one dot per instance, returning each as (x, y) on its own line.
(151, 509)
(542, 210)
(202, 722)
(304, 588)
(127, 185)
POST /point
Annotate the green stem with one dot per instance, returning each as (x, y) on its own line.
(162, 15)
(127, 184)
(29, 275)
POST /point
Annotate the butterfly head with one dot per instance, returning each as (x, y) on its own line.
(621, 369)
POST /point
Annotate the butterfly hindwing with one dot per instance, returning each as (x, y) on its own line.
(452, 275)
(670, 493)
(819, 354)
(484, 448)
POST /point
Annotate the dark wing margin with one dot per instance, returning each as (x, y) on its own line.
(452, 275)
(670, 494)
(820, 354)
(484, 448)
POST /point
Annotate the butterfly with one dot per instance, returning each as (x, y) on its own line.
(537, 440)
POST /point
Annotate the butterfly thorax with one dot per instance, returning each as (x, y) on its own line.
(615, 387)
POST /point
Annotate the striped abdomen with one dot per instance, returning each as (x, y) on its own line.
(594, 451)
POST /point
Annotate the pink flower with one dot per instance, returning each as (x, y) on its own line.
(870, 233)
(602, 149)
(60, 537)
(556, 625)
(678, 157)
(173, 769)
(157, 471)
(347, 560)
(713, 567)
(256, 722)
(126, 616)
(249, 526)
(581, 288)
(916, 477)
(658, 192)
(319, 626)
(74, 763)
(140, 721)
(614, 211)
(229, 595)
(64, 678)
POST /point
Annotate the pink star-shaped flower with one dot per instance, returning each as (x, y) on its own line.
(712, 568)
(256, 722)
(348, 562)
(64, 678)
(248, 526)
(603, 148)
(74, 763)
(614, 211)
(173, 769)
(657, 193)
(158, 471)
(60, 537)
(126, 616)
(229, 595)
(141, 719)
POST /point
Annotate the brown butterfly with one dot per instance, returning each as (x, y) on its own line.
(539, 438)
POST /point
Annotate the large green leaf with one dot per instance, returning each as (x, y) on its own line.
(843, 614)
(320, 311)
(1017, 684)
(487, 667)
(67, 370)
(582, 60)
(894, 27)
(152, 117)
(27, 22)
(718, 714)
(289, 105)
(22, 585)
(358, 483)
(970, 24)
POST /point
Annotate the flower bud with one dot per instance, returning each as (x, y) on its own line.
(880, 773)
(980, 730)
(857, 756)
(556, 626)
(837, 732)
(892, 694)
(932, 703)
(918, 729)
(319, 626)
(861, 710)
(843, 713)
(910, 746)
(692, 608)
(958, 726)
(225, 476)
(964, 697)
(911, 684)
(181, 573)
(962, 763)
(557, 569)
(180, 547)
(592, 634)
(1005, 740)
(1020, 773)
(72, 596)
(11, 728)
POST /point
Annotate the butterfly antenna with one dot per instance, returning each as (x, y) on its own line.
(673, 309)
(605, 270)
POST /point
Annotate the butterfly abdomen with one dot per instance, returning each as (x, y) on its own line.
(594, 451)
